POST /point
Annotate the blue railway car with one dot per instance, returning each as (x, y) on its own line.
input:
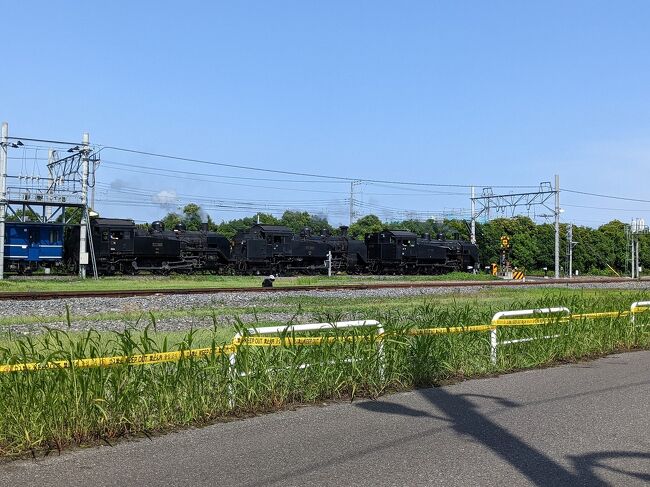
(30, 246)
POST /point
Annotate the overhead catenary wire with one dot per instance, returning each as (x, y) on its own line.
(634, 210)
(426, 188)
(175, 175)
(294, 173)
(598, 195)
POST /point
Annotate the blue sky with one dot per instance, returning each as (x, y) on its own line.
(484, 93)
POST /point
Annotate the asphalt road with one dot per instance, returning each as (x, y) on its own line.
(584, 424)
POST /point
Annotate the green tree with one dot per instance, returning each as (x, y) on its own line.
(230, 228)
(192, 216)
(365, 225)
(298, 220)
(171, 219)
(25, 215)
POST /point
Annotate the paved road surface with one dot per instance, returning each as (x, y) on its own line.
(586, 424)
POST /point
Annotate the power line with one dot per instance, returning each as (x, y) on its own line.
(294, 173)
(602, 208)
(606, 196)
(259, 169)
(147, 192)
(193, 173)
(46, 141)
(416, 193)
(273, 171)
(233, 184)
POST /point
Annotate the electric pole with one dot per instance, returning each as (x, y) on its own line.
(557, 226)
(473, 223)
(637, 227)
(570, 248)
(83, 226)
(3, 193)
(352, 202)
(92, 190)
(633, 263)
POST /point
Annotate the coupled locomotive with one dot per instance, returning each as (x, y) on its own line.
(121, 247)
(274, 249)
(402, 252)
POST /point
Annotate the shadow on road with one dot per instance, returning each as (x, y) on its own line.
(539, 468)
(457, 412)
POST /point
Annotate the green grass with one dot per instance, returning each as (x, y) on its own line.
(205, 281)
(52, 409)
(491, 300)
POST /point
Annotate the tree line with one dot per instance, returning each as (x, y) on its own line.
(596, 249)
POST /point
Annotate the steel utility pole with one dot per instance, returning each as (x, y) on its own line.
(352, 185)
(50, 183)
(473, 224)
(92, 190)
(557, 226)
(637, 227)
(636, 259)
(83, 230)
(3, 193)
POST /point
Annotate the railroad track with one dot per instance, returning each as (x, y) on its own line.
(44, 295)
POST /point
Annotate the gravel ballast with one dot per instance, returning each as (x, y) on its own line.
(87, 307)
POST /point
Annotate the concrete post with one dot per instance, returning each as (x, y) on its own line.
(570, 238)
(83, 230)
(557, 226)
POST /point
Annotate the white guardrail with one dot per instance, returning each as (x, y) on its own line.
(269, 330)
(636, 305)
(494, 341)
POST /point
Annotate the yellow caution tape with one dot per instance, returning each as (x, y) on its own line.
(257, 341)
(605, 314)
(563, 318)
(451, 329)
(522, 321)
(143, 359)
(292, 341)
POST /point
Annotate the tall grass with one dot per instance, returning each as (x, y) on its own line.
(51, 409)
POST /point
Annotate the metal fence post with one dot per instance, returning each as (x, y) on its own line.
(494, 343)
(636, 305)
(233, 370)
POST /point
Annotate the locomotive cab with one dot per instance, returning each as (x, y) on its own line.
(112, 237)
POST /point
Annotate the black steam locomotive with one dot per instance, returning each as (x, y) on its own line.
(121, 247)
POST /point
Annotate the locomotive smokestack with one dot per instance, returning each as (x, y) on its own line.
(427, 236)
(344, 230)
(204, 227)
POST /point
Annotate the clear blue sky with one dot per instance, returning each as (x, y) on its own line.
(485, 93)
